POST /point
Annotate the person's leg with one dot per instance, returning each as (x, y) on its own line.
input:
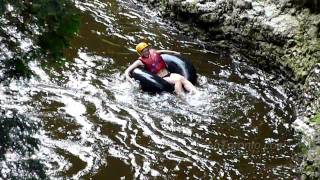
(180, 82)
(176, 80)
(178, 88)
(188, 85)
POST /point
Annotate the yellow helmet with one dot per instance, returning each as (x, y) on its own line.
(141, 46)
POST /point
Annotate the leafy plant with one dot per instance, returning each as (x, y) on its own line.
(16, 136)
(316, 119)
(50, 24)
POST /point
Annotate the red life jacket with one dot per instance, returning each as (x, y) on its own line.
(154, 62)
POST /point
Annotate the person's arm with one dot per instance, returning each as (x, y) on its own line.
(168, 51)
(134, 65)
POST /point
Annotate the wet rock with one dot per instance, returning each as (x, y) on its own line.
(310, 162)
(304, 177)
(208, 7)
(210, 18)
(244, 4)
(286, 25)
(258, 9)
(313, 31)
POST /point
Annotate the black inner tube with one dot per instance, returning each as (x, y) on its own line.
(154, 84)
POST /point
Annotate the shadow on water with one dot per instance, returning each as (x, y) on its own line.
(96, 125)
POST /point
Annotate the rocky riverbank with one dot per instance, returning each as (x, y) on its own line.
(281, 36)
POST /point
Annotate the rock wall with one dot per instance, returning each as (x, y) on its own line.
(276, 35)
(277, 31)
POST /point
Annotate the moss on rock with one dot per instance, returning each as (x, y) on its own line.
(305, 54)
(316, 118)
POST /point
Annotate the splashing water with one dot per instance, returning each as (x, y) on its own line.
(97, 125)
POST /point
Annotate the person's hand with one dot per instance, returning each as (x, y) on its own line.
(128, 78)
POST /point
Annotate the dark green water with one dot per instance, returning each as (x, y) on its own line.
(98, 126)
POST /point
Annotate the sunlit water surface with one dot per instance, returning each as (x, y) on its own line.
(97, 125)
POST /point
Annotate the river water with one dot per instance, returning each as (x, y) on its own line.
(96, 125)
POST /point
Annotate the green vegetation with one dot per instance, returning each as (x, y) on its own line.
(16, 136)
(316, 119)
(50, 24)
(304, 55)
(33, 30)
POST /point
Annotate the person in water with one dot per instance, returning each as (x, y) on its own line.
(151, 59)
